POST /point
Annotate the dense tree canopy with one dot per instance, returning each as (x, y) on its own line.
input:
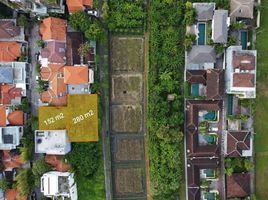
(85, 158)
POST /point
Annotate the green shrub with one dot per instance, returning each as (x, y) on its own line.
(24, 182)
(39, 168)
(190, 14)
(188, 41)
(219, 48)
(40, 43)
(4, 184)
(85, 158)
(126, 14)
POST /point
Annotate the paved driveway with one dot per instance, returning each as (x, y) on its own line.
(34, 37)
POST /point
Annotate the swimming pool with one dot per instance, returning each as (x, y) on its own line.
(210, 116)
(202, 34)
(210, 139)
(230, 100)
(210, 173)
(195, 89)
(210, 196)
(244, 39)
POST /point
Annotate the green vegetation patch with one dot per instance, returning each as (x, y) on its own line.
(165, 118)
(80, 118)
(126, 16)
(261, 116)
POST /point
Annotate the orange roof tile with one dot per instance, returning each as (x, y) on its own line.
(12, 194)
(45, 73)
(58, 162)
(10, 161)
(53, 28)
(78, 5)
(57, 93)
(9, 51)
(76, 75)
(9, 92)
(2, 116)
(16, 118)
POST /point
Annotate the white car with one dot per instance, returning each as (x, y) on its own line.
(93, 13)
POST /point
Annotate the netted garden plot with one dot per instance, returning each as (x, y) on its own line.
(127, 88)
(128, 149)
(127, 118)
(127, 54)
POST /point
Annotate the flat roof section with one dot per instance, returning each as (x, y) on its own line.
(79, 118)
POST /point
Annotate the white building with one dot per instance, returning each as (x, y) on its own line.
(240, 76)
(54, 142)
(59, 184)
(10, 137)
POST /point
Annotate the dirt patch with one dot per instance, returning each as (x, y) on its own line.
(127, 118)
(129, 180)
(129, 149)
(126, 88)
(127, 54)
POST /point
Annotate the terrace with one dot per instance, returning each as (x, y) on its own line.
(52, 142)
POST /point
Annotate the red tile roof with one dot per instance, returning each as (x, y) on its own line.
(243, 80)
(237, 142)
(2, 116)
(192, 123)
(53, 28)
(244, 61)
(238, 185)
(58, 162)
(11, 161)
(9, 92)
(13, 194)
(78, 5)
(57, 92)
(54, 52)
(8, 29)
(76, 74)
(14, 118)
(9, 51)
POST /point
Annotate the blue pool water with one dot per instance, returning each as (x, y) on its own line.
(210, 173)
(195, 89)
(244, 39)
(201, 34)
(210, 196)
(230, 100)
(210, 138)
(210, 116)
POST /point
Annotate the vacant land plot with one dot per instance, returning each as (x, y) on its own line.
(129, 181)
(127, 54)
(127, 88)
(127, 118)
(261, 117)
(129, 149)
(79, 117)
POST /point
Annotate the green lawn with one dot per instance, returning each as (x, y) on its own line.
(261, 116)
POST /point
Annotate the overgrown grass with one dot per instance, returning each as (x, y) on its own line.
(91, 188)
(261, 116)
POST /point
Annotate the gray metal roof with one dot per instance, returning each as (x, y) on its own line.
(202, 54)
(204, 11)
(242, 8)
(220, 28)
(6, 75)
